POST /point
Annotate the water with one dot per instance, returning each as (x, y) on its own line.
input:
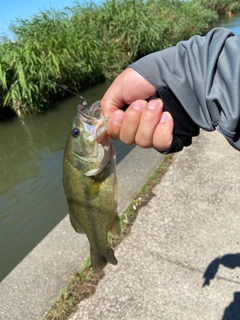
(232, 22)
(32, 199)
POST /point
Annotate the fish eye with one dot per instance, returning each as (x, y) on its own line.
(75, 132)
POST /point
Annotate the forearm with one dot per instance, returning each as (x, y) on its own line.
(203, 73)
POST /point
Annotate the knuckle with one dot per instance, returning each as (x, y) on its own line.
(144, 143)
(130, 117)
(126, 139)
(149, 117)
(127, 135)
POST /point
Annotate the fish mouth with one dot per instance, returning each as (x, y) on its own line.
(95, 124)
(93, 119)
(91, 113)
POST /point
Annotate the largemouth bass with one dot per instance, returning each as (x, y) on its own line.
(90, 183)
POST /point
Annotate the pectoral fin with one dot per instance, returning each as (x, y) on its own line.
(93, 188)
(76, 225)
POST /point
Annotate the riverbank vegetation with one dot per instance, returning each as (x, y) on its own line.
(222, 7)
(86, 44)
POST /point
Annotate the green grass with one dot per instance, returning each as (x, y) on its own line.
(84, 281)
(85, 44)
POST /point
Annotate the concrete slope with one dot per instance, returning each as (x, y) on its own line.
(182, 258)
(33, 286)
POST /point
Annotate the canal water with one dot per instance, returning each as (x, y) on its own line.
(32, 200)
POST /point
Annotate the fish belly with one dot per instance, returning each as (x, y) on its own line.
(92, 210)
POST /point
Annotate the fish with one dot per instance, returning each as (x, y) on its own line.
(90, 183)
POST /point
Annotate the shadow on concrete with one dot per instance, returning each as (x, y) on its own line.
(232, 312)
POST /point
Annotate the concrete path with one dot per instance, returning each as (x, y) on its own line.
(34, 285)
(180, 261)
(182, 258)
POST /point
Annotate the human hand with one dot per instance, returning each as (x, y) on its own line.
(144, 122)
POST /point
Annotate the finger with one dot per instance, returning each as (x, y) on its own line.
(131, 121)
(149, 120)
(163, 134)
(113, 98)
(114, 124)
(126, 88)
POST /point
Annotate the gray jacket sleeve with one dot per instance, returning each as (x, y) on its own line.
(203, 74)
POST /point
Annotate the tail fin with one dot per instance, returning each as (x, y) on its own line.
(100, 259)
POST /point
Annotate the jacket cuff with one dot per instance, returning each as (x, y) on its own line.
(184, 127)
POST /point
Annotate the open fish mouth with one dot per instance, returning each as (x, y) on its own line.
(92, 119)
(93, 112)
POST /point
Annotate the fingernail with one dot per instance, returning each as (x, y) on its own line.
(139, 105)
(118, 117)
(163, 117)
(153, 104)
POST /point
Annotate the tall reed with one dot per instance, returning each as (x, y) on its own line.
(85, 44)
(221, 6)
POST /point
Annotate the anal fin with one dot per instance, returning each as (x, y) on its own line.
(115, 230)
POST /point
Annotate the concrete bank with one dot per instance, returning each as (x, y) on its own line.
(33, 286)
(182, 257)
